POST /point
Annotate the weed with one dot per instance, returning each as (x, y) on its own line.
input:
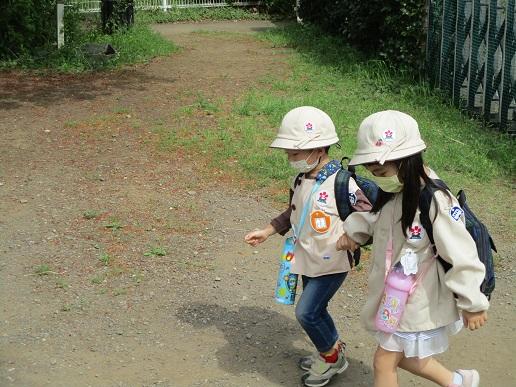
(61, 284)
(105, 259)
(98, 279)
(66, 308)
(42, 269)
(114, 224)
(90, 214)
(205, 104)
(156, 251)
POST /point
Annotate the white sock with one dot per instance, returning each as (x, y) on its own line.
(457, 379)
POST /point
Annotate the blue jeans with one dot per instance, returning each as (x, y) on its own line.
(311, 309)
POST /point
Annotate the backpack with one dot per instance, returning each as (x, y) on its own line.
(344, 198)
(475, 227)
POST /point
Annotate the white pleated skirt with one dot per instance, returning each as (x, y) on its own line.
(419, 344)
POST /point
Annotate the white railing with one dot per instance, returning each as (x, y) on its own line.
(94, 5)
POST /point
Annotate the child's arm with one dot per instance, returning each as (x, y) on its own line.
(258, 236)
(455, 245)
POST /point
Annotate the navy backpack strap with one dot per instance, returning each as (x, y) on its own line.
(425, 200)
(342, 193)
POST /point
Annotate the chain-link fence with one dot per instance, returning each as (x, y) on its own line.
(471, 56)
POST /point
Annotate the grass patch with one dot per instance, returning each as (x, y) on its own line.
(90, 214)
(43, 269)
(156, 252)
(114, 224)
(105, 259)
(198, 14)
(328, 74)
(134, 45)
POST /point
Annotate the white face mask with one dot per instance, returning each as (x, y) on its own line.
(302, 166)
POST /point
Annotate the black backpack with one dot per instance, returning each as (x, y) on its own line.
(344, 198)
(475, 227)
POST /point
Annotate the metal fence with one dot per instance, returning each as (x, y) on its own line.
(94, 5)
(471, 57)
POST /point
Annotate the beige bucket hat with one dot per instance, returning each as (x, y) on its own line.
(305, 127)
(387, 135)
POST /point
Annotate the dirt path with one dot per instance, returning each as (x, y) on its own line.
(203, 313)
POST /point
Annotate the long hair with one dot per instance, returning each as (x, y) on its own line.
(411, 172)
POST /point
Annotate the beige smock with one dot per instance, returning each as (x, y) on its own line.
(315, 253)
(432, 305)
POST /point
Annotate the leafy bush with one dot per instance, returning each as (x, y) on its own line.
(392, 29)
(28, 28)
(279, 7)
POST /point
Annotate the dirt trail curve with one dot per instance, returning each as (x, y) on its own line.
(201, 315)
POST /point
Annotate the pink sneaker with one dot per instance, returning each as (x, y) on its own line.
(470, 378)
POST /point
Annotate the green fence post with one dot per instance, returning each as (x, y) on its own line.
(459, 73)
(476, 39)
(489, 88)
(447, 45)
(508, 85)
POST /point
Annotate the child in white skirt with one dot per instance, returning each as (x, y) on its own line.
(390, 147)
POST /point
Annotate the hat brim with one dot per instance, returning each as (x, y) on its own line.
(370, 158)
(283, 143)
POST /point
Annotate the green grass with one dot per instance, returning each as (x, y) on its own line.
(90, 214)
(134, 45)
(114, 224)
(328, 74)
(156, 252)
(43, 269)
(105, 259)
(197, 14)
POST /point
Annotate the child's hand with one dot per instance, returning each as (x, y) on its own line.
(346, 243)
(256, 237)
(474, 320)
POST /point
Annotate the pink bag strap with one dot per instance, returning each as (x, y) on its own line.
(421, 273)
(388, 255)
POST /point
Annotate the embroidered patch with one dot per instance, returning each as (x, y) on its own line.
(352, 198)
(309, 127)
(320, 221)
(379, 142)
(416, 232)
(389, 135)
(456, 212)
(322, 198)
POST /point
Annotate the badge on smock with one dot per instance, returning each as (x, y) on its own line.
(320, 221)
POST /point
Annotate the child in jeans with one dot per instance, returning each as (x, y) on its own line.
(390, 147)
(306, 134)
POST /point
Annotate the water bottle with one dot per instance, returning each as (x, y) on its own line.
(285, 292)
(398, 286)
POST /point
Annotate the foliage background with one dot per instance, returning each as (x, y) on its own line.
(392, 29)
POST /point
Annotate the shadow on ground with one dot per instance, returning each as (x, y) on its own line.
(262, 341)
(49, 90)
